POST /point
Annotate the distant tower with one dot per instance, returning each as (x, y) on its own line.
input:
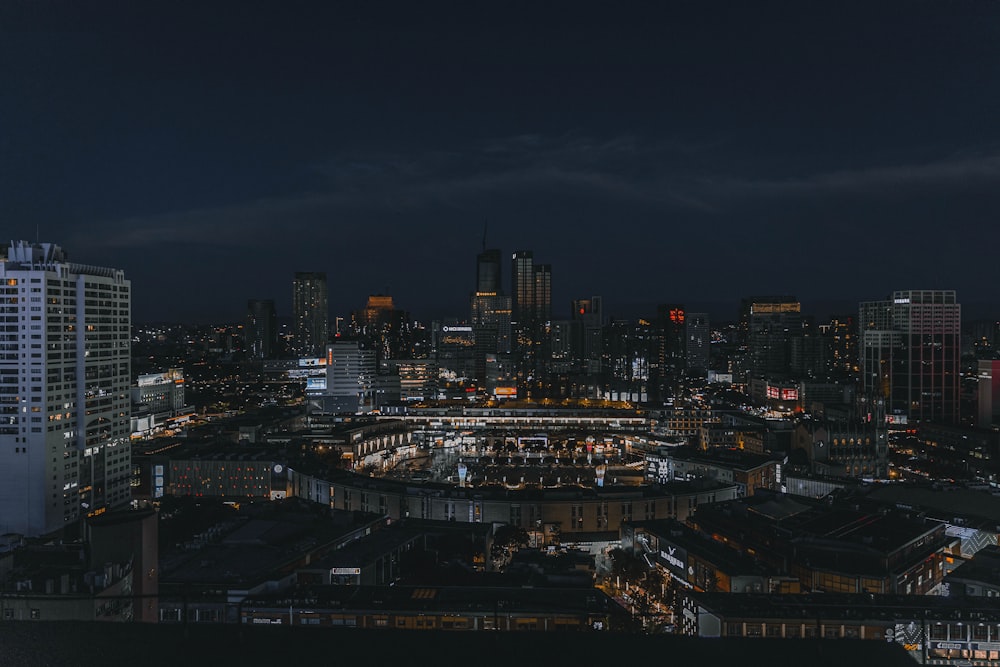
(697, 338)
(261, 330)
(910, 353)
(522, 289)
(770, 324)
(488, 273)
(543, 293)
(490, 308)
(310, 314)
(65, 394)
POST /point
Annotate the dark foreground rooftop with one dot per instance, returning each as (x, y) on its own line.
(84, 644)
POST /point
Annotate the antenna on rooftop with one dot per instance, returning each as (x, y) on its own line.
(486, 226)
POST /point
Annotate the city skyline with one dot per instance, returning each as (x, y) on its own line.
(685, 153)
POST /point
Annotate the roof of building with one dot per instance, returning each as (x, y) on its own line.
(442, 599)
(848, 606)
(41, 643)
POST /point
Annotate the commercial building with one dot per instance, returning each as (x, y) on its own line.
(847, 546)
(157, 401)
(747, 471)
(910, 352)
(350, 379)
(65, 376)
(440, 608)
(555, 513)
(697, 562)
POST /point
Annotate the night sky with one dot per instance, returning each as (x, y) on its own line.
(696, 152)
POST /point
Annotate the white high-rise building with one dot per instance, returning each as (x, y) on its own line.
(65, 372)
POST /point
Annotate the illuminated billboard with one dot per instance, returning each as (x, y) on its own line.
(505, 392)
(316, 384)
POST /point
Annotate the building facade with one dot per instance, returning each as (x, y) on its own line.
(65, 375)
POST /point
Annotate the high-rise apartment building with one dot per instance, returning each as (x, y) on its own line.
(310, 314)
(65, 375)
(260, 332)
(910, 353)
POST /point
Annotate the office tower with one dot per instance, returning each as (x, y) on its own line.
(543, 294)
(697, 341)
(910, 350)
(261, 330)
(522, 290)
(490, 312)
(65, 375)
(490, 308)
(771, 322)
(488, 272)
(310, 314)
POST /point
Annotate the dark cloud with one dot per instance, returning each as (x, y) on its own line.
(688, 150)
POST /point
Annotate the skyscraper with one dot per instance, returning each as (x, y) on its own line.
(669, 358)
(490, 308)
(910, 351)
(770, 324)
(65, 376)
(310, 314)
(488, 274)
(543, 294)
(261, 330)
(522, 289)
